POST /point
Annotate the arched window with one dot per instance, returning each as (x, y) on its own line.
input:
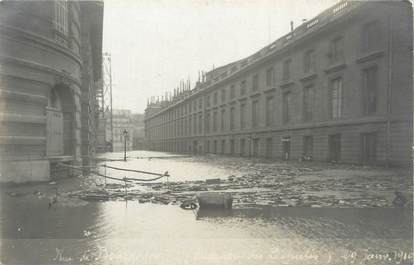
(54, 99)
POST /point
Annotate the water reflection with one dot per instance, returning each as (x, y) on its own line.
(32, 233)
(127, 232)
(133, 233)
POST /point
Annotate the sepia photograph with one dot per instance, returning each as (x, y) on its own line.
(160, 132)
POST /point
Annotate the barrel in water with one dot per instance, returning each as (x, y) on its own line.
(215, 200)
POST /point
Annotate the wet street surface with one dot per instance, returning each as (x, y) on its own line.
(251, 182)
(342, 215)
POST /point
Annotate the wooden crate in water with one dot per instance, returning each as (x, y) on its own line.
(215, 200)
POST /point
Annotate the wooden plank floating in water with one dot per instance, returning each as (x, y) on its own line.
(214, 200)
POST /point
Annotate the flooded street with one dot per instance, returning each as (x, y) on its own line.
(180, 168)
(75, 231)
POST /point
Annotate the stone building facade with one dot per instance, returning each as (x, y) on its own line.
(50, 67)
(336, 88)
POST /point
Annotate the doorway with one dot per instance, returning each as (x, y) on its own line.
(369, 147)
(195, 147)
(242, 147)
(286, 148)
(334, 147)
(256, 147)
(54, 125)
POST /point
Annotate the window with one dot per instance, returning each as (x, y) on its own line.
(189, 125)
(270, 111)
(200, 123)
(308, 61)
(270, 77)
(223, 119)
(232, 91)
(232, 118)
(336, 98)
(286, 69)
(207, 101)
(243, 87)
(223, 146)
(231, 146)
(54, 100)
(307, 103)
(194, 106)
(195, 124)
(207, 146)
(242, 116)
(215, 146)
(337, 50)
(185, 126)
(223, 95)
(255, 82)
(307, 147)
(207, 125)
(255, 113)
(369, 93)
(214, 121)
(286, 106)
(215, 98)
(371, 35)
(61, 19)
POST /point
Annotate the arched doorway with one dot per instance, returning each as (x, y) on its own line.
(54, 128)
(59, 129)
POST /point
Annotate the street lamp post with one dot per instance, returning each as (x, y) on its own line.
(125, 133)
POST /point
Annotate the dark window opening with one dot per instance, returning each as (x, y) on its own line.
(286, 107)
(369, 93)
(286, 69)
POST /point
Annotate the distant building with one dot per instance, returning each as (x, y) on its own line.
(336, 88)
(121, 121)
(137, 121)
(50, 67)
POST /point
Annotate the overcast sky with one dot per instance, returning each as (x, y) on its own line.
(156, 43)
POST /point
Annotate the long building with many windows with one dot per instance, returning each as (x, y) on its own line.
(336, 88)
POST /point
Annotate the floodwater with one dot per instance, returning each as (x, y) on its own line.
(127, 232)
(179, 167)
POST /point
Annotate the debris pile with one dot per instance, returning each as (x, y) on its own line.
(268, 184)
